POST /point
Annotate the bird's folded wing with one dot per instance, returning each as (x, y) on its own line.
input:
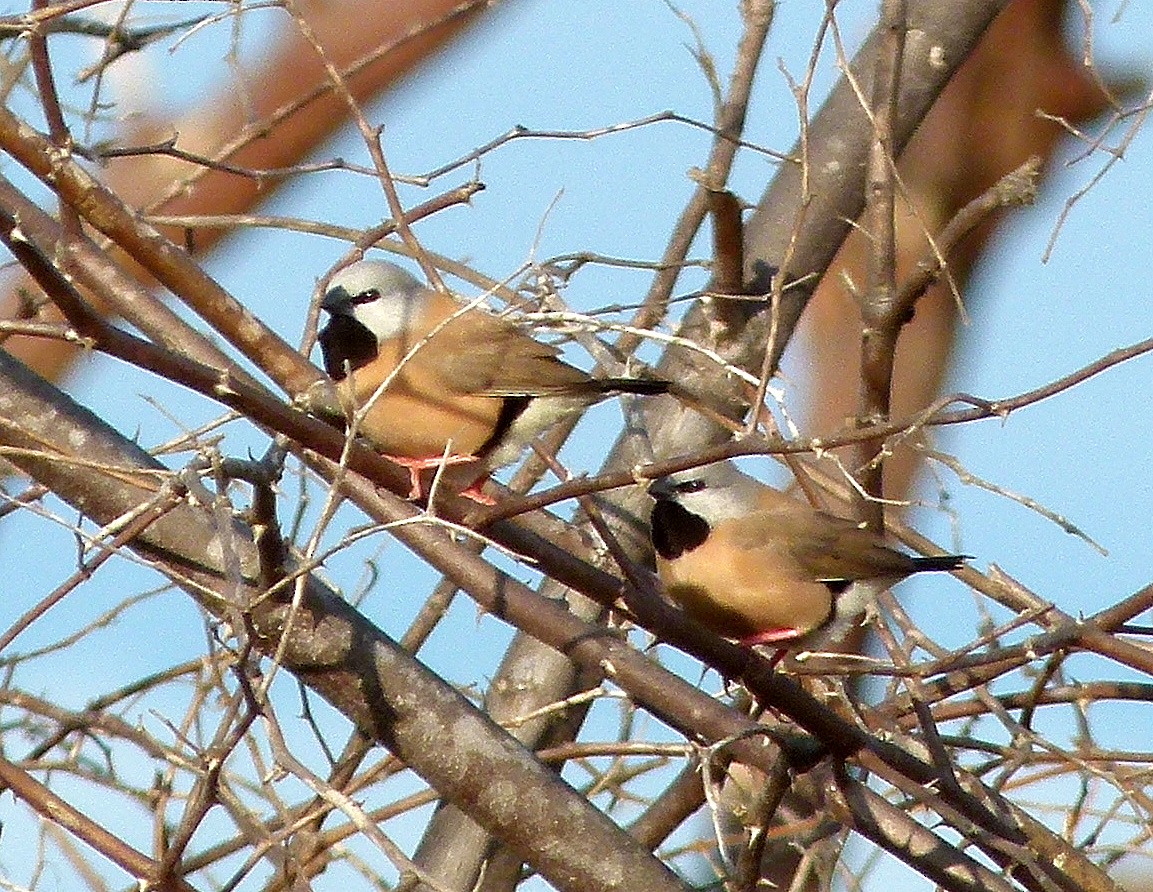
(485, 355)
(828, 548)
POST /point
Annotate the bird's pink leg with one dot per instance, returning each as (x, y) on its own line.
(772, 636)
(416, 465)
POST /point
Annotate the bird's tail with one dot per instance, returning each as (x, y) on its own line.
(643, 386)
(941, 562)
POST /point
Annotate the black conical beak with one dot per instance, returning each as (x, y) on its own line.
(337, 301)
(662, 489)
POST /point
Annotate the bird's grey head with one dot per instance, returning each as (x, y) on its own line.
(380, 296)
(715, 492)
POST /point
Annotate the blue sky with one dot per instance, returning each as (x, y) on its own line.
(575, 66)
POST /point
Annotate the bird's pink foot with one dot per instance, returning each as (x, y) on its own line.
(475, 493)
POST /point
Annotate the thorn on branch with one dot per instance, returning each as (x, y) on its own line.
(263, 475)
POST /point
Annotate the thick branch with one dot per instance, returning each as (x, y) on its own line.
(941, 33)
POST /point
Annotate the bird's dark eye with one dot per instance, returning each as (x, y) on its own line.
(366, 297)
(695, 485)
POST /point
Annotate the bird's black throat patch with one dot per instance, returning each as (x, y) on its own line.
(344, 340)
(676, 530)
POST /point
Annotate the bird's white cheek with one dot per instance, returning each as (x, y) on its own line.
(385, 318)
